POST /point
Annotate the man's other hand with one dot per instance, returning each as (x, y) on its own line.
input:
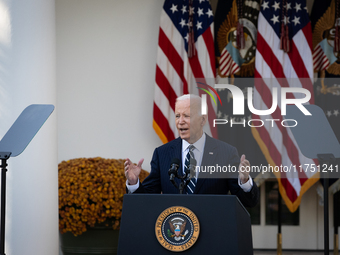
(132, 171)
(244, 169)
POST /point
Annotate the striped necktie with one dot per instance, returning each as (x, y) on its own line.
(192, 184)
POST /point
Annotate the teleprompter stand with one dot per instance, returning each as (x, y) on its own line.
(14, 143)
(316, 140)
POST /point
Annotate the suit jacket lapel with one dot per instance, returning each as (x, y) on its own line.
(209, 156)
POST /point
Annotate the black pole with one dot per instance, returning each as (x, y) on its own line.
(336, 206)
(325, 212)
(326, 159)
(3, 205)
(279, 223)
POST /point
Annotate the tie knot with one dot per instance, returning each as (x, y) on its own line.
(191, 147)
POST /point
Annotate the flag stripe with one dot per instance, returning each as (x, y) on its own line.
(165, 86)
(162, 103)
(163, 123)
(268, 57)
(227, 65)
(172, 55)
(226, 62)
(307, 31)
(320, 60)
(166, 67)
(297, 62)
(209, 40)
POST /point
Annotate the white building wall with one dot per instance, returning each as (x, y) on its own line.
(106, 62)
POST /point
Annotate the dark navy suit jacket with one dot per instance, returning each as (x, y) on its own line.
(215, 152)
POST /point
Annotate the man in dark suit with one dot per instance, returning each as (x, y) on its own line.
(207, 152)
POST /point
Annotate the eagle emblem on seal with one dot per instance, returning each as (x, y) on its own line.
(177, 227)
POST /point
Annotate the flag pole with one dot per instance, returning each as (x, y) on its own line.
(326, 159)
(336, 200)
(325, 215)
(279, 234)
(336, 241)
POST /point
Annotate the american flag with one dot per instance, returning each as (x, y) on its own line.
(176, 73)
(230, 60)
(275, 67)
(323, 56)
(321, 62)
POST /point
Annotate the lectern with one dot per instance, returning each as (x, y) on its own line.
(185, 224)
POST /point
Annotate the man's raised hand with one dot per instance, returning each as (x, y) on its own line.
(132, 171)
(244, 169)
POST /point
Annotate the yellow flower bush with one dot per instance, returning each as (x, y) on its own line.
(91, 191)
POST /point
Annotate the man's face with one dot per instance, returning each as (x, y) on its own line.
(189, 122)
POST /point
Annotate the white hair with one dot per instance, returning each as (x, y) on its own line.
(188, 96)
(195, 99)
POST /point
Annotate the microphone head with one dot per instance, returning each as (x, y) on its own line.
(173, 168)
(175, 161)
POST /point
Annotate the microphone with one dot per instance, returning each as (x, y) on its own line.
(175, 162)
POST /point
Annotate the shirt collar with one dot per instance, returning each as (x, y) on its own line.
(199, 144)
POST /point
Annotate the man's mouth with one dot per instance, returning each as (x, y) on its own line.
(183, 129)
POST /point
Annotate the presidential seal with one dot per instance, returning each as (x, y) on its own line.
(177, 228)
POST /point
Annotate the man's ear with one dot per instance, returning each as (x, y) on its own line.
(204, 119)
